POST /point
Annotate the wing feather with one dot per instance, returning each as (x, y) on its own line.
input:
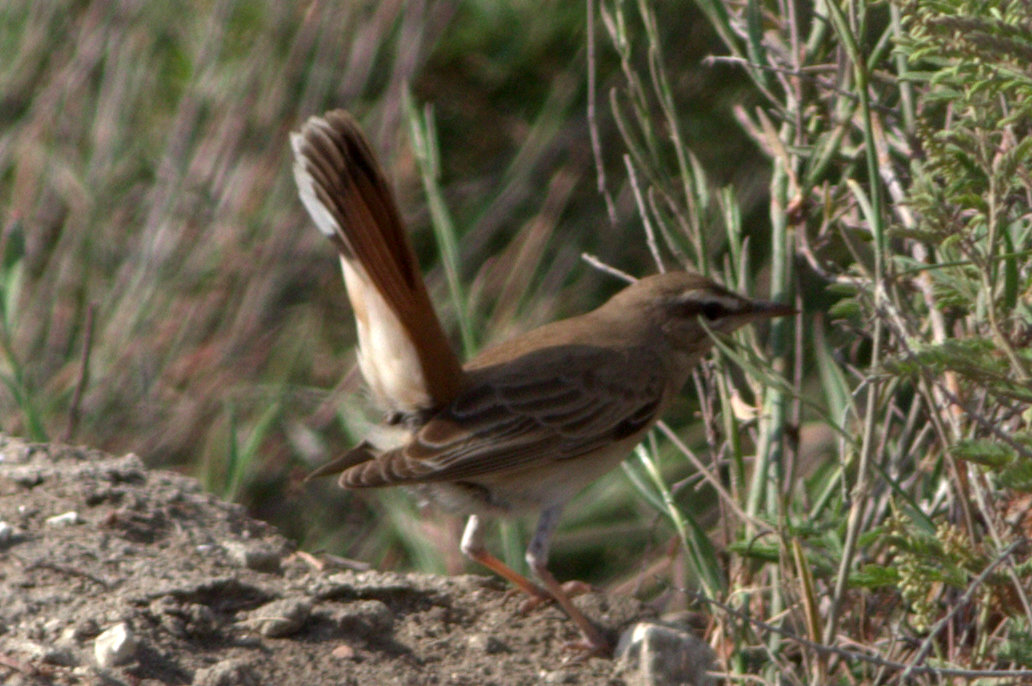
(553, 404)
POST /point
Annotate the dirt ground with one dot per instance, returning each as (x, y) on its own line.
(190, 590)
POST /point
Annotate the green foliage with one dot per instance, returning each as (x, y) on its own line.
(898, 137)
(1017, 647)
(13, 372)
(976, 362)
(971, 186)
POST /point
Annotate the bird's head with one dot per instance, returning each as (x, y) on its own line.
(684, 304)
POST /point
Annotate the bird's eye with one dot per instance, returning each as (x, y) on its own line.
(712, 310)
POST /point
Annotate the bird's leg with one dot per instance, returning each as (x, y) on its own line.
(472, 546)
(537, 558)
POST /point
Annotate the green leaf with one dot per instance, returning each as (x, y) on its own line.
(845, 309)
(875, 576)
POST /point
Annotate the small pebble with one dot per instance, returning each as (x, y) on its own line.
(650, 654)
(258, 558)
(559, 676)
(44, 652)
(59, 656)
(27, 478)
(66, 519)
(227, 673)
(364, 617)
(485, 643)
(344, 652)
(281, 617)
(116, 646)
(86, 629)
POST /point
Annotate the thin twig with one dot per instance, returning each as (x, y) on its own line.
(608, 269)
(707, 475)
(810, 73)
(639, 198)
(596, 140)
(74, 410)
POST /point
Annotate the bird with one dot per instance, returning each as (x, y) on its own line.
(524, 425)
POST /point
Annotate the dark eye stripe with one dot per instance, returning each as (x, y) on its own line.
(710, 308)
(713, 310)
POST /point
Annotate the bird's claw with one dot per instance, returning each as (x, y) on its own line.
(583, 649)
(571, 588)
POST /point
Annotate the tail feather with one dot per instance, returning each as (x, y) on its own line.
(363, 452)
(386, 469)
(337, 173)
(404, 353)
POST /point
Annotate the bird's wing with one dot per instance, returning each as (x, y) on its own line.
(553, 404)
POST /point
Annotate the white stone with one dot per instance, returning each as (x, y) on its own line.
(652, 654)
(66, 519)
(115, 646)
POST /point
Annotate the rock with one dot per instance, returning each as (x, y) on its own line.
(185, 619)
(116, 646)
(256, 557)
(28, 477)
(486, 643)
(66, 519)
(85, 630)
(59, 656)
(557, 676)
(344, 652)
(653, 654)
(364, 617)
(281, 617)
(227, 673)
(43, 652)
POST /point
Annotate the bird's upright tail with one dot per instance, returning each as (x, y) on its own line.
(403, 352)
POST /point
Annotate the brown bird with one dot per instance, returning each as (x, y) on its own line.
(524, 425)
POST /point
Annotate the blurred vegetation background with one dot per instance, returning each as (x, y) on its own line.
(850, 502)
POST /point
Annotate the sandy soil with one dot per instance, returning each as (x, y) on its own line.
(113, 574)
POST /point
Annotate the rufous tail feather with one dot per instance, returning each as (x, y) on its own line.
(404, 352)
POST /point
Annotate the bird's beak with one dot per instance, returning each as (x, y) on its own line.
(766, 309)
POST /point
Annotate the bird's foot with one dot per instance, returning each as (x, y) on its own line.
(572, 589)
(586, 648)
(534, 596)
